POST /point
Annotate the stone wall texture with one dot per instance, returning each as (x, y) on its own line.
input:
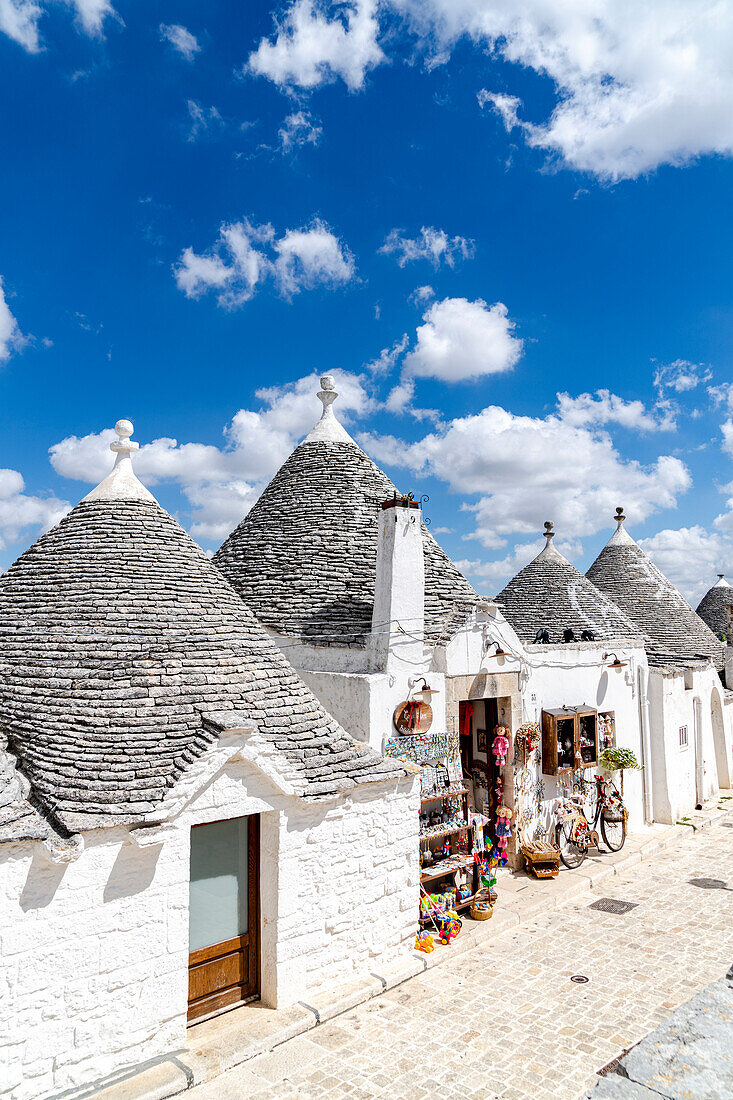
(95, 953)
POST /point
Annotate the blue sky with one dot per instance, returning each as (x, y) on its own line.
(460, 209)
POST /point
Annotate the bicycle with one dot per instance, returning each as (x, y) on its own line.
(575, 833)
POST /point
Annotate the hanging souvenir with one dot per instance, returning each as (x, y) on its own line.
(500, 747)
(503, 832)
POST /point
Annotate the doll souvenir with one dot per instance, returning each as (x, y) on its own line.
(500, 746)
(503, 832)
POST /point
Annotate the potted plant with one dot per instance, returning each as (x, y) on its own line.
(619, 760)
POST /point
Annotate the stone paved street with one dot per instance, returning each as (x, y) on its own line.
(504, 1019)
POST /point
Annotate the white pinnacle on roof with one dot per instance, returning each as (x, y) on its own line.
(122, 483)
(620, 536)
(721, 581)
(328, 429)
(549, 550)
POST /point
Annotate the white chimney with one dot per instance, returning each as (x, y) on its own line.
(398, 619)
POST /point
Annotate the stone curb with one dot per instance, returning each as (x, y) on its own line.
(205, 1059)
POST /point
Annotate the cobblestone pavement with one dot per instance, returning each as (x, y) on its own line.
(504, 1020)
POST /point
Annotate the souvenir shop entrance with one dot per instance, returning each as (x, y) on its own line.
(484, 711)
(485, 745)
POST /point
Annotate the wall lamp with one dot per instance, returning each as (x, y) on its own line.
(499, 651)
(615, 663)
(426, 691)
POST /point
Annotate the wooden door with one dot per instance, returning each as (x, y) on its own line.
(224, 950)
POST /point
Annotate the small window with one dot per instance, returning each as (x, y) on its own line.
(683, 737)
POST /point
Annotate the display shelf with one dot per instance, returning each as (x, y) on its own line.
(448, 831)
(448, 792)
(430, 917)
(569, 740)
(437, 872)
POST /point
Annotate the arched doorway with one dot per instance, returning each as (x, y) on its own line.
(721, 749)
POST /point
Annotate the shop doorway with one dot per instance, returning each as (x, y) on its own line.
(478, 720)
(224, 886)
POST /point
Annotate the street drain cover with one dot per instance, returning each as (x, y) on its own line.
(709, 883)
(613, 905)
(579, 979)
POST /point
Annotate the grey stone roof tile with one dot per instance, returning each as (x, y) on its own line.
(304, 557)
(551, 594)
(117, 636)
(631, 579)
(713, 607)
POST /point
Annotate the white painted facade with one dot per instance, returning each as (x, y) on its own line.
(692, 757)
(525, 680)
(95, 951)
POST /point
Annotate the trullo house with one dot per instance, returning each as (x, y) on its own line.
(182, 825)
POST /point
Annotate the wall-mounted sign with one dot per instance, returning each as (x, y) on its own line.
(413, 716)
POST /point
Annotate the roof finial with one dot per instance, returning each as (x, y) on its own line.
(548, 550)
(620, 536)
(121, 484)
(123, 445)
(328, 395)
(328, 429)
(721, 581)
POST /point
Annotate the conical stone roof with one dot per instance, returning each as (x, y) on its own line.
(676, 633)
(117, 638)
(304, 557)
(713, 607)
(551, 594)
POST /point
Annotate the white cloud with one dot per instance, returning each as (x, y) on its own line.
(432, 244)
(11, 338)
(19, 19)
(636, 85)
(203, 120)
(691, 557)
(299, 128)
(607, 408)
(91, 14)
(460, 340)
(722, 394)
(421, 295)
(506, 106)
(681, 375)
(185, 43)
(400, 396)
(18, 511)
(310, 49)
(245, 255)
(309, 257)
(388, 357)
(526, 469)
(221, 483)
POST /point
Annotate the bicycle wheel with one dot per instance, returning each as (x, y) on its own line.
(572, 854)
(614, 830)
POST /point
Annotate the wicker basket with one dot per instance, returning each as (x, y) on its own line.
(481, 909)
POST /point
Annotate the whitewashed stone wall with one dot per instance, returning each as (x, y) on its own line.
(577, 674)
(672, 704)
(94, 954)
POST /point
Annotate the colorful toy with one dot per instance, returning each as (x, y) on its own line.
(424, 942)
(500, 746)
(450, 928)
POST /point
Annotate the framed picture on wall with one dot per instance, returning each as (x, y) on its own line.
(481, 742)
